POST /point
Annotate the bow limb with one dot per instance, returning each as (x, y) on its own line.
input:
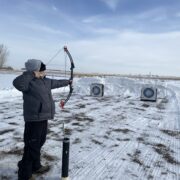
(63, 102)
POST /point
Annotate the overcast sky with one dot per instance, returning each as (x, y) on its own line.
(108, 36)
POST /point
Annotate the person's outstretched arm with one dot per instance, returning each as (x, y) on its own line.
(59, 83)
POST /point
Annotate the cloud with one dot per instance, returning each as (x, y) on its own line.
(93, 19)
(54, 8)
(130, 52)
(44, 29)
(177, 14)
(104, 31)
(125, 52)
(112, 4)
(128, 41)
(155, 20)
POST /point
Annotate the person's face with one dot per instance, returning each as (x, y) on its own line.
(40, 74)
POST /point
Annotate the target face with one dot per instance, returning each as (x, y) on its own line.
(96, 90)
(148, 92)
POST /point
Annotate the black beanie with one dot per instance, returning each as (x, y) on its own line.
(43, 67)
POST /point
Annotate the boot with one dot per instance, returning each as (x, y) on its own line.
(24, 171)
(32, 178)
(42, 169)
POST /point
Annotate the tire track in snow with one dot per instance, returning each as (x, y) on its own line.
(104, 157)
(79, 166)
(120, 171)
(175, 92)
(113, 161)
(155, 159)
(86, 165)
(159, 170)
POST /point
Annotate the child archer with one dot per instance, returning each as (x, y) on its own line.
(38, 108)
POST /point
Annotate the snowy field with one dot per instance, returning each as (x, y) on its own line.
(115, 137)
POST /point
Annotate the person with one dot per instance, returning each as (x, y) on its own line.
(38, 108)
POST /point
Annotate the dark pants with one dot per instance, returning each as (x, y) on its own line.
(34, 138)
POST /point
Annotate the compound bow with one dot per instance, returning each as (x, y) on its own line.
(64, 101)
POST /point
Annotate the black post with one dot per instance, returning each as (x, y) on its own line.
(65, 158)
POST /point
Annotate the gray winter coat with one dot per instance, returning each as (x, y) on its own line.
(38, 102)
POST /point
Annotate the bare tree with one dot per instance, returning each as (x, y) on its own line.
(3, 55)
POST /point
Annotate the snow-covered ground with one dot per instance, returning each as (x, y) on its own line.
(115, 137)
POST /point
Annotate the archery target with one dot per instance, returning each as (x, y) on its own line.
(149, 94)
(97, 89)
